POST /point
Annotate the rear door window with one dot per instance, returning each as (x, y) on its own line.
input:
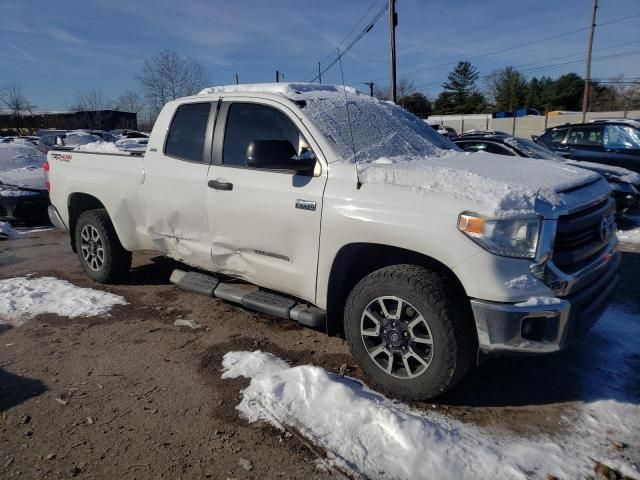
(586, 137)
(186, 137)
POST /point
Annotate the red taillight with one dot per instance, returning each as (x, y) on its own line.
(47, 185)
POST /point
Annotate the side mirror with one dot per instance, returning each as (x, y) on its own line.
(278, 155)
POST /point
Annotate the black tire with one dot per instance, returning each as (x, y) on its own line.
(449, 325)
(115, 261)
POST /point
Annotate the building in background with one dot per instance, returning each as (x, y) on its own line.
(95, 120)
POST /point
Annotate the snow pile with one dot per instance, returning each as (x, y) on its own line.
(22, 298)
(629, 236)
(101, 147)
(523, 282)
(619, 174)
(6, 232)
(21, 166)
(537, 301)
(488, 182)
(365, 432)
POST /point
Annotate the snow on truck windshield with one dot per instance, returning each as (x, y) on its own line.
(374, 129)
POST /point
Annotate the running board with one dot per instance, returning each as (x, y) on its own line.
(258, 300)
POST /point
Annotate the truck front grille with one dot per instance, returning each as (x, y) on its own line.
(581, 236)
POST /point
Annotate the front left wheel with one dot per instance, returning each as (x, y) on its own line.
(410, 331)
(102, 256)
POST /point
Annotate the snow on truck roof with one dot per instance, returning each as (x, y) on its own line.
(294, 91)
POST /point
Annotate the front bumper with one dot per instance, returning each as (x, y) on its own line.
(522, 328)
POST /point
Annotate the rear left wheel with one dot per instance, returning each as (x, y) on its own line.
(102, 256)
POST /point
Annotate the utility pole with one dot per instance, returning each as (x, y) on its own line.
(393, 22)
(587, 78)
(237, 79)
(319, 74)
(371, 84)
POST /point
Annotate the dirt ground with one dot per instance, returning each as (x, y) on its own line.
(130, 395)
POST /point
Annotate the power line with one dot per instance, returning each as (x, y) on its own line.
(515, 47)
(342, 53)
(346, 36)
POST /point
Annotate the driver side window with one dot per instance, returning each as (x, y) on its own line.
(248, 122)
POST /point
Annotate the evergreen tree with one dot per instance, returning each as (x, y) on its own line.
(460, 95)
(509, 89)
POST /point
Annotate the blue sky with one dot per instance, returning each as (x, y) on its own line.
(57, 48)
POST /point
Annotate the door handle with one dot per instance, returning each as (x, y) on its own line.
(218, 185)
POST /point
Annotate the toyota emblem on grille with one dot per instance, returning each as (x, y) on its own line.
(604, 229)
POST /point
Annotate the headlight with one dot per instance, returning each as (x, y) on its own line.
(623, 187)
(508, 237)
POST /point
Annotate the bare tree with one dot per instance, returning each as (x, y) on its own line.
(90, 104)
(404, 88)
(12, 96)
(167, 76)
(129, 101)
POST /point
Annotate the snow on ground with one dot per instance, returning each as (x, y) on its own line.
(629, 236)
(22, 298)
(101, 147)
(7, 232)
(365, 432)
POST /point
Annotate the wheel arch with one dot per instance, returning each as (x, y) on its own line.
(77, 203)
(354, 261)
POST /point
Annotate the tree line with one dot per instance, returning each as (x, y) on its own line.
(508, 89)
(168, 75)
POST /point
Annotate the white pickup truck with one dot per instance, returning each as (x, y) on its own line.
(320, 204)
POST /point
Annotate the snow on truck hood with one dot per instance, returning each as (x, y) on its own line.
(493, 185)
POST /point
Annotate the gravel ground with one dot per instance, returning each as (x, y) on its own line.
(130, 395)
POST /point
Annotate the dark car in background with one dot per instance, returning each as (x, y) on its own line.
(608, 141)
(625, 183)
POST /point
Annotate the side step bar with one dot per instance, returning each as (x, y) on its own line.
(258, 300)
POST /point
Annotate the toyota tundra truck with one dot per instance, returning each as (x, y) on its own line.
(320, 204)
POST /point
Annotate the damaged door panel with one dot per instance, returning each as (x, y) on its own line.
(174, 192)
(279, 246)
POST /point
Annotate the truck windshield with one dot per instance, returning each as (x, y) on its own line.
(374, 129)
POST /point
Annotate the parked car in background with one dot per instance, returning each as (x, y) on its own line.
(448, 132)
(611, 142)
(50, 140)
(104, 135)
(123, 133)
(138, 145)
(625, 183)
(23, 196)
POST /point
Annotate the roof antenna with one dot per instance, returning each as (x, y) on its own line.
(346, 104)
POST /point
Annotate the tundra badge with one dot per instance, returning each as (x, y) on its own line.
(306, 205)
